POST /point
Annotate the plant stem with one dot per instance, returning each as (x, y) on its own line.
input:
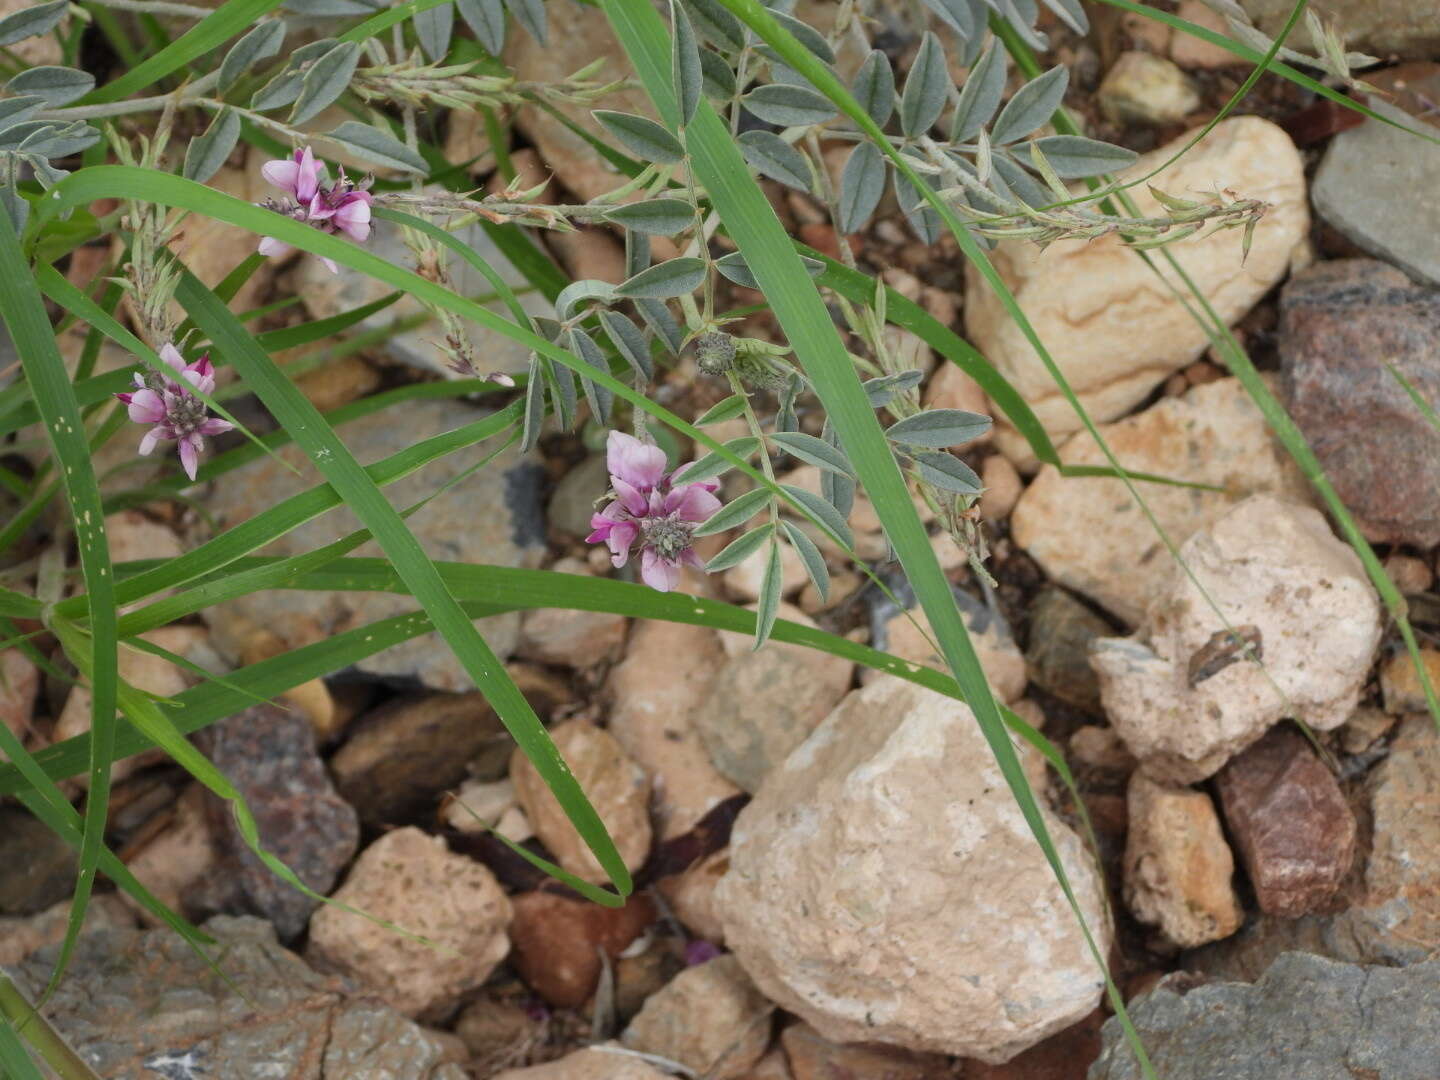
(48, 1043)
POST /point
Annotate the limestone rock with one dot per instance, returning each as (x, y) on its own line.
(137, 1005)
(479, 804)
(592, 1063)
(327, 295)
(814, 1057)
(616, 786)
(1400, 684)
(1376, 26)
(1357, 1021)
(691, 895)
(764, 703)
(1182, 694)
(181, 857)
(709, 1018)
(21, 935)
(492, 516)
(1058, 655)
(1177, 864)
(1003, 488)
(579, 35)
(1346, 328)
(568, 637)
(884, 887)
(558, 941)
(653, 706)
(1090, 536)
(268, 755)
(411, 880)
(1190, 51)
(1142, 88)
(906, 637)
(1085, 298)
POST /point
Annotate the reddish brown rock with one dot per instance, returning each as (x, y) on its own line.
(1290, 823)
(555, 939)
(1343, 326)
(814, 1057)
(1064, 1056)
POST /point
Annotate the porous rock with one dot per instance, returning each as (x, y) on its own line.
(1085, 298)
(1377, 26)
(592, 1063)
(492, 516)
(1143, 88)
(1089, 535)
(908, 635)
(567, 637)
(884, 887)
(1184, 695)
(709, 1018)
(411, 880)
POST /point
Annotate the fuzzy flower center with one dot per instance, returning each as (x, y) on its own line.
(669, 536)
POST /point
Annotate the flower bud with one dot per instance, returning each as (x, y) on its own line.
(715, 352)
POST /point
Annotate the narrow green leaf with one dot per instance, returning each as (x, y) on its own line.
(675, 277)
(205, 154)
(939, 428)
(813, 451)
(738, 550)
(810, 556)
(822, 509)
(736, 512)
(927, 88)
(375, 145)
(806, 34)
(1032, 106)
(772, 156)
(731, 407)
(733, 267)
(980, 96)
(714, 464)
(770, 585)
(325, 81)
(1074, 157)
(874, 87)
(657, 217)
(862, 184)
(948, 473)
(643, 137)
(788, 106)
(685, 71)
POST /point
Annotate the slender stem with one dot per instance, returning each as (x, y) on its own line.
(184, 95)
(48, 1043)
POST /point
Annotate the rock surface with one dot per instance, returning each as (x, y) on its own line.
(814, 1057)
(1356, 1022)
(492, 516)
(653, 706)
(558, 940)
(908, 635)
(21, 935)
(401, 757)
(411, 880)
(37, 867)
(1057, 657)
(268, 754)
(617, 788)
(1089, 535)
(709, 1018)
(592, 1063)
(1290, 821)
(1182, 693)
(1178, 868)
(1400, 685)
(1376, 26)
(1143, 88)
(1085, 298)
(573, 638)
(884, 887)
(1343, 326)
(19, 685)
(327, 295)
(137, 1005)
(763, 704)
(179, 860)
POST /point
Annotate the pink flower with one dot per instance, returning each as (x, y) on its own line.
(651, 509)
(339, 207)
(172, 410)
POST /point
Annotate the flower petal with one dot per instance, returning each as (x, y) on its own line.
(189, 453)
(691, 502)
(152, 437)
(633, 500)
(213, 425)
(659, 573)
(284, 174)
(307, 176)
(270, 246)
(637, 463)
(146, 407)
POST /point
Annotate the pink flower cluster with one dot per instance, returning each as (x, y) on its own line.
(339, 207)
(650, 509)
(175, 413)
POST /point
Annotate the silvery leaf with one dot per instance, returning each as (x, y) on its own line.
(980, 96)
(727, 409)
(921, 217)
(1071, 14)
(600, 397)
(486, 19)
(956, 14)
(534, 406)
(822, 510)
(772, 156)
(737, 551)
(806, 35)
(862, 183)
(57, 85)
(712, 464)
(813, 451)
(643, 137)
(1009, 179)
(563, 396)
(716, 25)
(939, 428)
(719, 80)
(259, 44)
(1074, 156)
(769, 605)
(18, 110)
(629, 342)
(810, 556)
(531, 15)
(32, 21)
(733, 267)
(325, 81)
(685, 70)
(579, 292)
(947, 472)
(675, 277)
(874, 87)
(377, 146)
(881, 391)
(736, 512)
(637, 252)
(205, 155)
(658, 318)
(1032, 106)
(788, 106)
(433, 27)
(659, 217)
(927, 88)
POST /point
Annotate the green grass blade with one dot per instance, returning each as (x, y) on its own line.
(360, 493)
(23, 312)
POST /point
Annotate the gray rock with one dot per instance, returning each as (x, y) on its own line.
(1058, 656)
(37, 867)
(268, 754)
(573, 502)
(140, 1004)
(493, 516)
(1344, 326)
(327, 294)
(1400, 27)
(1376, 185)
(1306, 1017)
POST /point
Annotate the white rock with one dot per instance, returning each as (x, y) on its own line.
(652, 717)
(605, 1062)
(1270, 567)
(908, 636)
(1146, 89)
(1088, 534)
(743, 580)
(709, 1018)
(1114, 328)
(412, 880)
(479, 804)
(885, 887)
(569, 637)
